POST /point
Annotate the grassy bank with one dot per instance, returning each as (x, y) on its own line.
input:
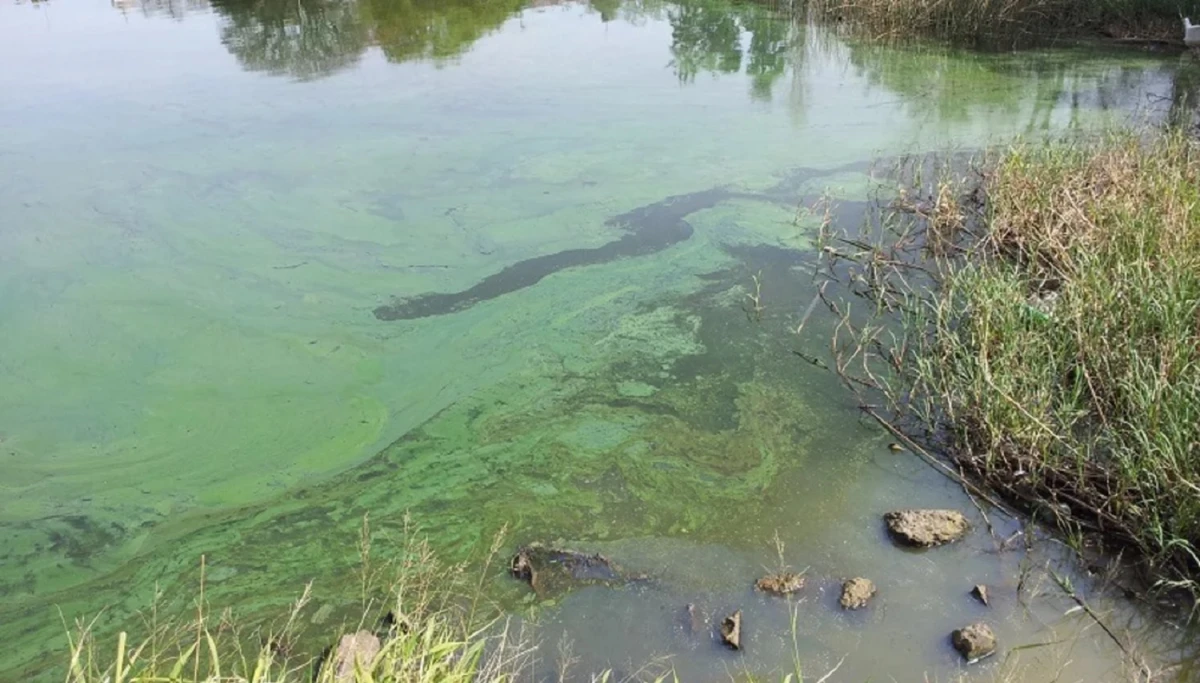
(1053, 349)
(431, 619)
(421, 620)
(1005, 23)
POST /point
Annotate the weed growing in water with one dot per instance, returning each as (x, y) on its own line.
(757, 307)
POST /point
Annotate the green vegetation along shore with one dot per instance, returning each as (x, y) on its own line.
(421, 620)
(1054, 353)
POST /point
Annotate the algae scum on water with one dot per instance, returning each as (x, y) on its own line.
(267, 267)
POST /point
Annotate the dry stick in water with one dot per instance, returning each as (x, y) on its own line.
(811, 306)
(1067, 588)
(940, 466)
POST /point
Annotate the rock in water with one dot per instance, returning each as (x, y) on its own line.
(856, 593)
(783, 583)
(554, 570)
(357, 650)
(926, 528)
(980, 594)
(731, 630)
(974, 642)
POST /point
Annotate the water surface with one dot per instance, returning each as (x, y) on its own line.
(268, 266)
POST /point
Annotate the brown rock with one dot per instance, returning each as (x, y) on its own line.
(926, 528)
(974, 642)
(979, 592)
(783, 583)
(731, 630)
(856, 593)
(357, 650)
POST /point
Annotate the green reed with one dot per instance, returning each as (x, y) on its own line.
(1054, 351)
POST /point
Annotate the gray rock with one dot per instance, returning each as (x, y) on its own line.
(926, 528)
(980, 593)
(358, 649)
(974, 642)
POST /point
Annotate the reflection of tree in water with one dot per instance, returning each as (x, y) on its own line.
(708, 37)
(176, 9)
(312, 38)
(607, 9)
(1184, 108)
(304, 39)
(944, 85)
(434, 29)
(771, 41)
(704, 38)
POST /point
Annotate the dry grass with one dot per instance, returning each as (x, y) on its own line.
(1007, 23)
(438, 629)
(437, 626)
(1071, 354)
(1050, 342)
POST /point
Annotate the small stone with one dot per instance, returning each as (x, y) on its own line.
(731, 630)
(979, 592)
(783, 583)
(974, 642)
(354, 651)
(856, 593)
(926, 528)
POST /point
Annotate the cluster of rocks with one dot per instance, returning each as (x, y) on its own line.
(930, 528)
(549, 570)
(913, 528)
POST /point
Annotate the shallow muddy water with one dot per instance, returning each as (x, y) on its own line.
(268, 266)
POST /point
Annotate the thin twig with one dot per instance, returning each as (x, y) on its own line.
(832, 671)
(937, 463)
(1070, 591)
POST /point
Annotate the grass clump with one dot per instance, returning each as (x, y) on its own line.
(1006, 23)
(432, 624)
(1054, 350)
(431, 621)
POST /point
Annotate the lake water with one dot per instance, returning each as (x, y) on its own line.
(267, 266)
